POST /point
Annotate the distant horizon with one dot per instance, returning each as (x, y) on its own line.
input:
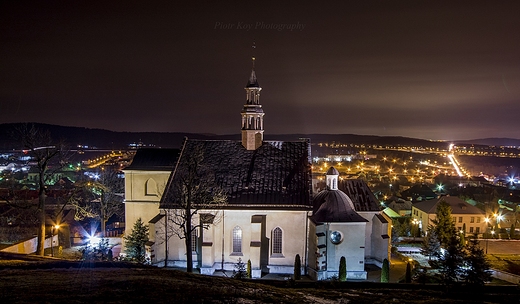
(267, 134)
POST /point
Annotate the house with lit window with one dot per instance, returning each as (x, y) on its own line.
(271, 214)
(463, 214)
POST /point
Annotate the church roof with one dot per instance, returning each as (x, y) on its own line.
(334, 206)
(458, 206)
(154, 159)
(360, 194)
(277, 175)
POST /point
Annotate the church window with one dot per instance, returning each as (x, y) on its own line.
(336, 237)
(194, 241)
(277, 241)
(237, 240)
(150, 187)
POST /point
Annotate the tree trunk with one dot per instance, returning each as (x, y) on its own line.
(189, 258)
(103, 215)
(40, 247)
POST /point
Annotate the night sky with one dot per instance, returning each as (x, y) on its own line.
(425, 69)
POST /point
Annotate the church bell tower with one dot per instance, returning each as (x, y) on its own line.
(252, 114)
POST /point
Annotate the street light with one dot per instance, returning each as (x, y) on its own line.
(414, 223)
(53, 230)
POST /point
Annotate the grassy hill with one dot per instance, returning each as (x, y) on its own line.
(29, 279)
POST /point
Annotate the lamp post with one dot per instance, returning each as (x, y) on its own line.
(487, 239)
(53, 229)
(414, 227)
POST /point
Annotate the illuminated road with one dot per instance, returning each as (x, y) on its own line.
(455, 164)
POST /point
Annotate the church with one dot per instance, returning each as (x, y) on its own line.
(269, 213)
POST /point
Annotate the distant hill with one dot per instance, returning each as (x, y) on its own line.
(498, 142)
(96, 137)
(105, 139)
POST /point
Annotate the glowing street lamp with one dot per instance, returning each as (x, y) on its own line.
(415, 223)
(54, 229)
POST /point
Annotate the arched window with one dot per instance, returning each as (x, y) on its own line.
(237, 240)
(150, 187)
(277, 241)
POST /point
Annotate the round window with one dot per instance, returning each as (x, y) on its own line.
(336, 237)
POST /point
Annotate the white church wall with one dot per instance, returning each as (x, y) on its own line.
(368, 215)
(137, 203)
(220, 236)
(381, 233)
(312, 240)
(352, 247)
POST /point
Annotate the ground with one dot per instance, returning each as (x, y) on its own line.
(56, 281)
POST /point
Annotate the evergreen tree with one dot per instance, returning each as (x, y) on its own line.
(136, 241)
(477, 267)
(443, 223)
(240, 270)
(385, 271)
(450, 261)
(342, 269)
(248, 271)
(463, 235)
(297, 267)
(431, 245)
(408, 276)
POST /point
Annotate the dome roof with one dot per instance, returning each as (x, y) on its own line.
(334, 206)
(332, 171)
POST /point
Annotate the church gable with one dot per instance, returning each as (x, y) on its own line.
(276, 175)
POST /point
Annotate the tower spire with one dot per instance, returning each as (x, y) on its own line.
(253, 82)
(252, 113)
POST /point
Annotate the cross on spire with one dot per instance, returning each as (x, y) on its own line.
(253, 57)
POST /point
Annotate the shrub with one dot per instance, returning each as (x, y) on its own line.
(248, 271)
(408, 277)
(385, 271)
(297, 267)
(342, 269)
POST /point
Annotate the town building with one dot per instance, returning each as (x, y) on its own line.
(463, 214)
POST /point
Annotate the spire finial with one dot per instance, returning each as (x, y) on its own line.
(253, 57)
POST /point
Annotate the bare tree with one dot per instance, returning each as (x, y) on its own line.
(48, 157)
(108, 190)
(192, 190)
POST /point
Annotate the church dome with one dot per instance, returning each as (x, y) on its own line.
(334, 206)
